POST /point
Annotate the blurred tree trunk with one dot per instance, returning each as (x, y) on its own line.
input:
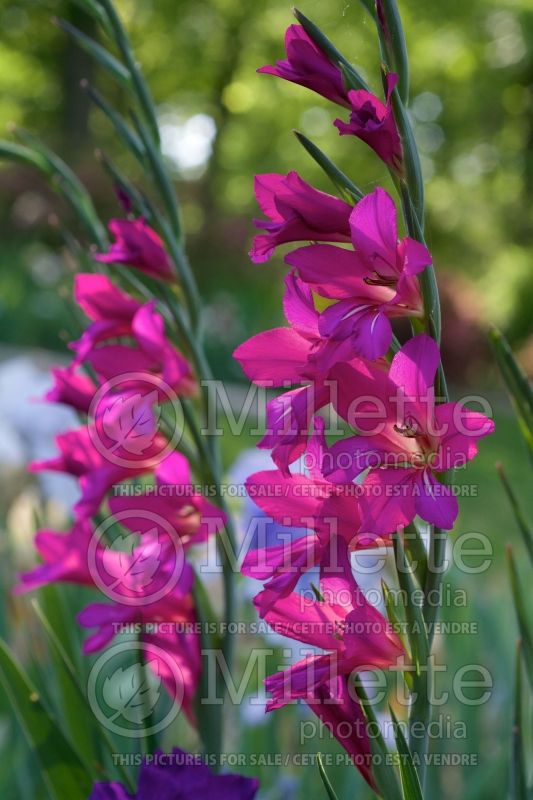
(76, 65)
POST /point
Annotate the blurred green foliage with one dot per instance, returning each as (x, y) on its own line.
(472, 104)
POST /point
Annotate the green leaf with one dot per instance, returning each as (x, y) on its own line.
(140, 203)
(397, 623)
(125, 132)
(417, 551)
(353, 78)
(138, 83)
(80, 716)
(325, 780)
(17, 152)
(64, 180)
(517, 384)
(393, 45)
(350, 192)
(521, 614)
(382, 769)
(96, 51)
(416, 626)
(160, 176)
(519, 789)
(62, 769)
(408, 774)
(208, 715)
(523, 524)
(95, 10)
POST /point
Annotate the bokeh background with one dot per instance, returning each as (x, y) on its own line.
(472, 109)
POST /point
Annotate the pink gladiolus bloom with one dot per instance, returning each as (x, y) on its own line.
(96, 472)
(192, 517)
(167, 368)
(71, 388)
(282, 356)
(82, 557)
(64, 558)
(115, 314)
(338, 708)
(281, 566)
(373, 121)
(372, 283)
(139, 246)
(309, 66)
(407, 441)
(296, 212)
(303, 501)
(177, 638)
(354, 634)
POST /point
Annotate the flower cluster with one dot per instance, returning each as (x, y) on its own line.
(131, 547)
(342, 291)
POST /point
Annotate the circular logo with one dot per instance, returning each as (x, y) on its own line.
(125, 689)
(136, 419)
(141, 566)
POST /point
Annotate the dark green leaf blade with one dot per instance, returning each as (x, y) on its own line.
(350, 192)
(325, 780)
(521, 614)
(518, 768)
(408, 774)
(521, 521)
(63, 771)
(517, 384)
(96, 51)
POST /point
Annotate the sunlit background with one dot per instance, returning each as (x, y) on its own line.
(472, 110)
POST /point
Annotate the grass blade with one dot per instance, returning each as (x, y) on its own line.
(384, 773)
(325, 780)
(408, 774)
(517, 384)
(102, 56)
(523, 524)
(521, 615)
(62, 769)
(518, 768)
(350, 192)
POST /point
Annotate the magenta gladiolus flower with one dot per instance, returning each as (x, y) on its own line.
(407, 440)
(309, 66)
(71, 388)
(311, 501)
(374, 282)
(115, 314)
(284, 356)
(139, 246)
(179, 776)
(336, 705)
(96, 472)
(64, 558)
(354, 634)
(169, 625)
(192, 516)
(373, 121)
(296, 211)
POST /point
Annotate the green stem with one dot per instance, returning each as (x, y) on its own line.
(139, 85)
